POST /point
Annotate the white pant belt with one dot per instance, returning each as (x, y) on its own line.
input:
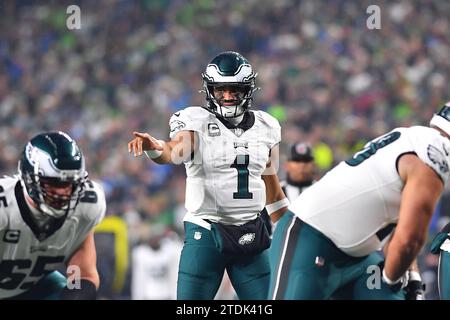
(189, 217)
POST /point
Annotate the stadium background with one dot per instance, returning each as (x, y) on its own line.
(324, 75)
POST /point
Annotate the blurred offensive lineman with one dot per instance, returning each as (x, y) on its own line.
(47, 213)
(230, 155)
(328, 239)
(300, 170)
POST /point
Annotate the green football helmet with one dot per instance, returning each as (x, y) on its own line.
(442, 119)
(50, 161)
(229, 70)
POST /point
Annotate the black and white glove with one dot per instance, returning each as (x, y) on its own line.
(415, 289)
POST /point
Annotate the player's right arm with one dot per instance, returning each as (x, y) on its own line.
(419, 197)
(175, 151)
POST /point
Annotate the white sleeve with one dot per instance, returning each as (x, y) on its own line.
(273, 127)
(275, 131)
(97, 211)
(3, 220)
(435, 154)
(276, 135)
(185, 120)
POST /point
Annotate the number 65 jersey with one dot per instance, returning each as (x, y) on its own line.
(224, 175)
(24, 260)
(356, 205)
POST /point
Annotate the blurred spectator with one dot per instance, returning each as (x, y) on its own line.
(155, 265)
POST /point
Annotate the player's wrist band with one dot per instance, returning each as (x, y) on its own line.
(389, 281)
(414, 276)
(271, 208)
(153, 154)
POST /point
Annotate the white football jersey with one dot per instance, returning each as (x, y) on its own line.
(356, 204)
(224, 176)
(24, 259)
(155, 272)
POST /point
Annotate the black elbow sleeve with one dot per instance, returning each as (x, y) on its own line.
(87, 291)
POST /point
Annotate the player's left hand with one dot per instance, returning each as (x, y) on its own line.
(415, 290)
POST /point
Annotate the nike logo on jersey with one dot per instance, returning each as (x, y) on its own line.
(177, 114)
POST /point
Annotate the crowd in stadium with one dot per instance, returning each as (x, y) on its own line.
(327, 78)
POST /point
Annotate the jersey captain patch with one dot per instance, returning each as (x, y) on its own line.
(11, 236)
(213, 130)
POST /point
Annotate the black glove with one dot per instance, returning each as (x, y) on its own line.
(415, 290)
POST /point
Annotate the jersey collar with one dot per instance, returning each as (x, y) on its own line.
(247, 122)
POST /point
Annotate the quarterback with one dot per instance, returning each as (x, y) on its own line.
(230, 155)
(385, 193)
(47, 213)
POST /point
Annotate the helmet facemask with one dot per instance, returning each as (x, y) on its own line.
(241, 94)
(54, 197)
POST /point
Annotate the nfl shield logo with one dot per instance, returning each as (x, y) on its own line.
(197, 235)
(238, 132)
(320, 261)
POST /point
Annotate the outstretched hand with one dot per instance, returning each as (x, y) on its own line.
(143, 142)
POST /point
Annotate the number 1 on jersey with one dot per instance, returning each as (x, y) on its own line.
(241, 164)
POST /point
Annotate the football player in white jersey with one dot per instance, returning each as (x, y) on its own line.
(155, 266)
(230, 154)
(47, 213)
(327, 241)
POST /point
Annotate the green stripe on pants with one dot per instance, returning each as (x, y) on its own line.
(307, 265)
